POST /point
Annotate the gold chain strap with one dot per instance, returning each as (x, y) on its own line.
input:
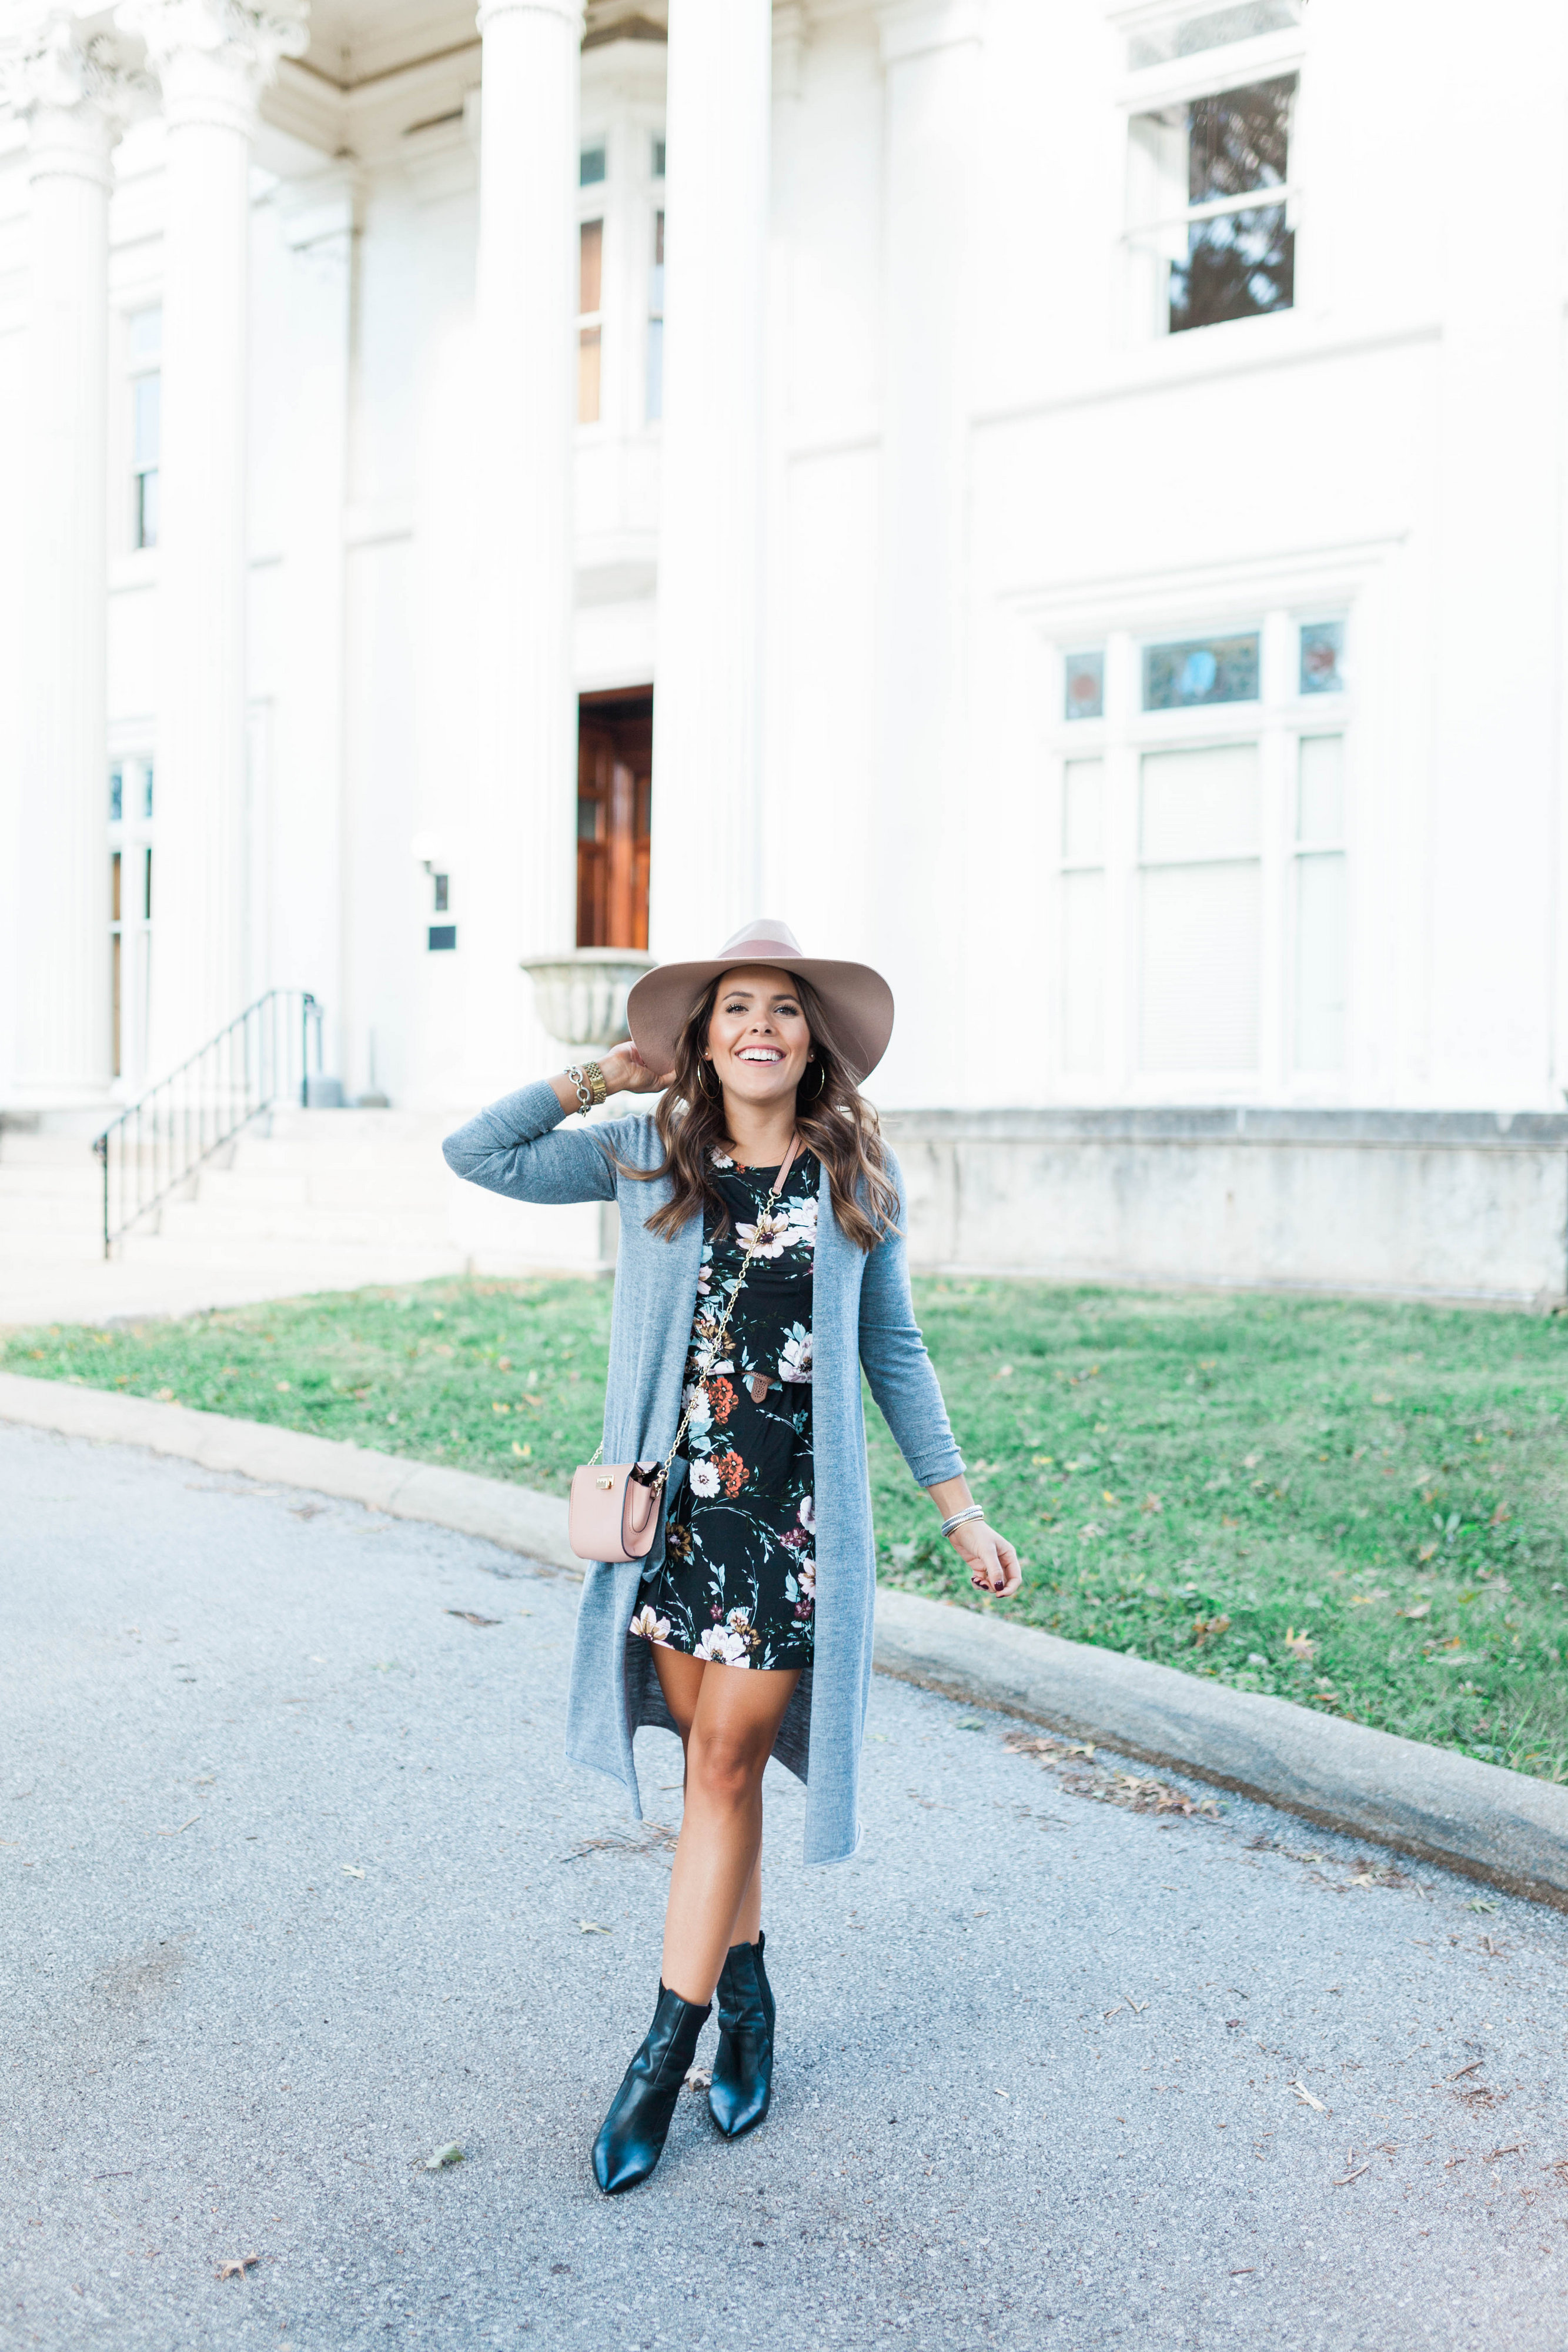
(716, 1351)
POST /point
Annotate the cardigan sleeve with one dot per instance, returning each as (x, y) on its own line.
(897, 1366)
(512, 1147)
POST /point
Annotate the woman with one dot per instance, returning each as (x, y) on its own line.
(747, 1628)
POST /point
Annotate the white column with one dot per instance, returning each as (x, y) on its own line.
(514, 885)
(930, 57)
(72, 96)
(707, 680)
(212, 58)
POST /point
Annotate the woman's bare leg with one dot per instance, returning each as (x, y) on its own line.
(729, 1717)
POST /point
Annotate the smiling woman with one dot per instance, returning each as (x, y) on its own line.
(761, 1267)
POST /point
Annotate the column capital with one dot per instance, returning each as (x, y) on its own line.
(213, 58)
(569, 13)
(912, 28)
(74, 91)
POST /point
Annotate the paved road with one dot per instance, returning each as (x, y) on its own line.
(291, 1897)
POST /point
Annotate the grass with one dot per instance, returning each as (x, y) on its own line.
(1359, 1505)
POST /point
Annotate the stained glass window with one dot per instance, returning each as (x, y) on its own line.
(1201, 670)
(1084, 695)
(1323, 647)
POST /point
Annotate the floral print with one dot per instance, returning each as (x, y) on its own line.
(737, 1584)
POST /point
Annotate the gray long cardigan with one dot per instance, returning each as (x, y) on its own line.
(862, 1313)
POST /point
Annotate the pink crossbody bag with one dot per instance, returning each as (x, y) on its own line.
(613, 1514)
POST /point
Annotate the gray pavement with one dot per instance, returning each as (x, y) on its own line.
(291, 1895)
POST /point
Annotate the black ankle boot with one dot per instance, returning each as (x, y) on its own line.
(743, 2070)
(631, 2138)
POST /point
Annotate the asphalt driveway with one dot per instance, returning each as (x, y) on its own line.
(295, 1891)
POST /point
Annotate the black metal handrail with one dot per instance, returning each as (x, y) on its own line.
(262, 1058)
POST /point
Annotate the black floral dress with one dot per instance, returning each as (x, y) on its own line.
(738, 1578)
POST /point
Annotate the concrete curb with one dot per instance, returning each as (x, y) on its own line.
(513, 1517)
(1476, 1819)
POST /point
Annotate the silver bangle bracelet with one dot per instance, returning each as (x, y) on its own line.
(975, 1511)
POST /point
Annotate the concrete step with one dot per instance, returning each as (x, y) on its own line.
(236, 1224)
(23, 1221)
(273, 1267)
(257, 1177)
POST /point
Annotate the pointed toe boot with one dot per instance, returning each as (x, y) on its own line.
(743, 2070)
(631, 2136)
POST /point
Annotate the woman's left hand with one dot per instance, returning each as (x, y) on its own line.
(991, 1560)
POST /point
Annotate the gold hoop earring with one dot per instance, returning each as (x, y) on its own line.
(714, 1093)
(821, 1082)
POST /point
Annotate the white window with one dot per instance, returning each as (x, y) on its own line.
(590, 319)
(1211, 202)
(654, 405)
(620, 277)
(1202, 934)
(131, 912)
(144, 341)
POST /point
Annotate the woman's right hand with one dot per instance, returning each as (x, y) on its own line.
(626, 1073)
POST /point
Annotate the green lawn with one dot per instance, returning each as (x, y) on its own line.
(1359, 1505)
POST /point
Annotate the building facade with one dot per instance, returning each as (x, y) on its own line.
(1063, 501)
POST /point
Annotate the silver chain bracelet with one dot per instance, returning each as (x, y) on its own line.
(975, 1511)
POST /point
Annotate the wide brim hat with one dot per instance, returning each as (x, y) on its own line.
(858, 1000)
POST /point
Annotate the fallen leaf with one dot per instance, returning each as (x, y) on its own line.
(699, 2078)
(1516, 2148)
(593, 1928)
(969, 1723)
(349, 1871)
(1299, 1645)
(1350, 2177)
(450, 2154)
(471, 1617)
(1427, 1551)
(1416, 1609)
(1479, 1902)
(238, 2269)
(1305, 2096)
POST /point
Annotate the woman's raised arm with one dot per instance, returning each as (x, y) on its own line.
(516, 1146)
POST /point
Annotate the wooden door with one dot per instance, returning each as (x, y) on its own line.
(614, 796)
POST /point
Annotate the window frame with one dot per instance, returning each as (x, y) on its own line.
(131, 838)
(627, 200)
(1276, 722)
(1177, 81)
(131, 370)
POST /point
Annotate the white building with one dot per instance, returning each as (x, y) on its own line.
(1083, 512)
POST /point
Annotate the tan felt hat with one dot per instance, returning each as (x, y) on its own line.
(859, 1001)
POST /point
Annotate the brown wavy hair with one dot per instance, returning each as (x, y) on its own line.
(832, 1118)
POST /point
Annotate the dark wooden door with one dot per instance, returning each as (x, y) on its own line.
(614, 796)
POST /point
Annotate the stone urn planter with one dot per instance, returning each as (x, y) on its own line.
(581, 993)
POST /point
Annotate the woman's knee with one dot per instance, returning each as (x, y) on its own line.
(721, 1767)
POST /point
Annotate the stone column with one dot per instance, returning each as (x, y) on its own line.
(930, 52)
(212, 59)
(707, 687)
(73, 95)
(514, 884)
